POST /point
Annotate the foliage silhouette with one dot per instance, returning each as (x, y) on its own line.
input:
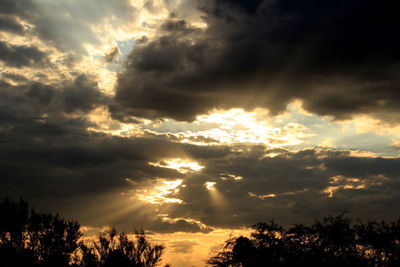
(112, 249)
(333, 241)
(32, 239)
(28, 238)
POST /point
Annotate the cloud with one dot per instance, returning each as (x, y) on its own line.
(9, 24)
(67, 25)
(48, 154)
(112, 55)
(290, 187)
(183, 246)
(340, 58)
(22, 55)
(179, 225)
(53, 157)
(15, 6)
(37, 100)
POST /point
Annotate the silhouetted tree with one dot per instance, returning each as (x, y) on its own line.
(31, 239)
(380, 242)
(28, 238)
(112, 249)
(333, 241)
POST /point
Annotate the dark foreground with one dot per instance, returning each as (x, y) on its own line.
(32, 239)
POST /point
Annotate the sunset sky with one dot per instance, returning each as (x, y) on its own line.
(196, 118)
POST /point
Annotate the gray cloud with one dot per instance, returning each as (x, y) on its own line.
(22, 55)
(15, 6)
(112, 55)
(178, 226)
(68, 24)
(9, 24)
(340, 58)
(184, 246)
(291, 187)
(55, 163)
(50, 158)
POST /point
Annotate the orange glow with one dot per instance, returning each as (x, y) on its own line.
(191, 249)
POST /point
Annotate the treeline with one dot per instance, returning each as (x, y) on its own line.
(333, 241)
(32, 239)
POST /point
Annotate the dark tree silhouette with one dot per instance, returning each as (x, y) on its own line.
(112, 249)
(31, 239)
(28, 238)
(333, 241)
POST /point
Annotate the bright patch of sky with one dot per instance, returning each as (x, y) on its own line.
(295, 129)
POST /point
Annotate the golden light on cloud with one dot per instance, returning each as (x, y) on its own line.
(261, 196)
(105, 124)
(340, 182)
(210, 185)
(201, 225)
(273, 195)
(161, 192)
(237, 126)
(230, 176)
(181, 165)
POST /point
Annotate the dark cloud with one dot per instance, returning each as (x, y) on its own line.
(22, 55)
(9, 24)
(53, 161)
(34, 100)
(50, 158)
(291, 187)
(184, 246)
(112, 55)
(15, 6)
(179, 225)
(14, 77)
(340, 58)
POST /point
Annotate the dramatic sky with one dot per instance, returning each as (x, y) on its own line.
(192, 118)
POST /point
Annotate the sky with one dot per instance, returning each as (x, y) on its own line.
(195, 119)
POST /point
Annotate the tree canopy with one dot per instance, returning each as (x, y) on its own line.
(332, 241)
(32, 239)
(113, 249)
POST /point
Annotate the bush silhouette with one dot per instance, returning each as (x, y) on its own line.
(31, 239)
(112, 249)
(28, 238)
(333, 241)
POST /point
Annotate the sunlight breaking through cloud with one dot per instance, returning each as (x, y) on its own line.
(181, 165)
(160, 193)
(233, 126)
(341, 182)
(210, 185)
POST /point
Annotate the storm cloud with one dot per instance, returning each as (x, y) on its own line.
(22, 55)
(340, 58)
